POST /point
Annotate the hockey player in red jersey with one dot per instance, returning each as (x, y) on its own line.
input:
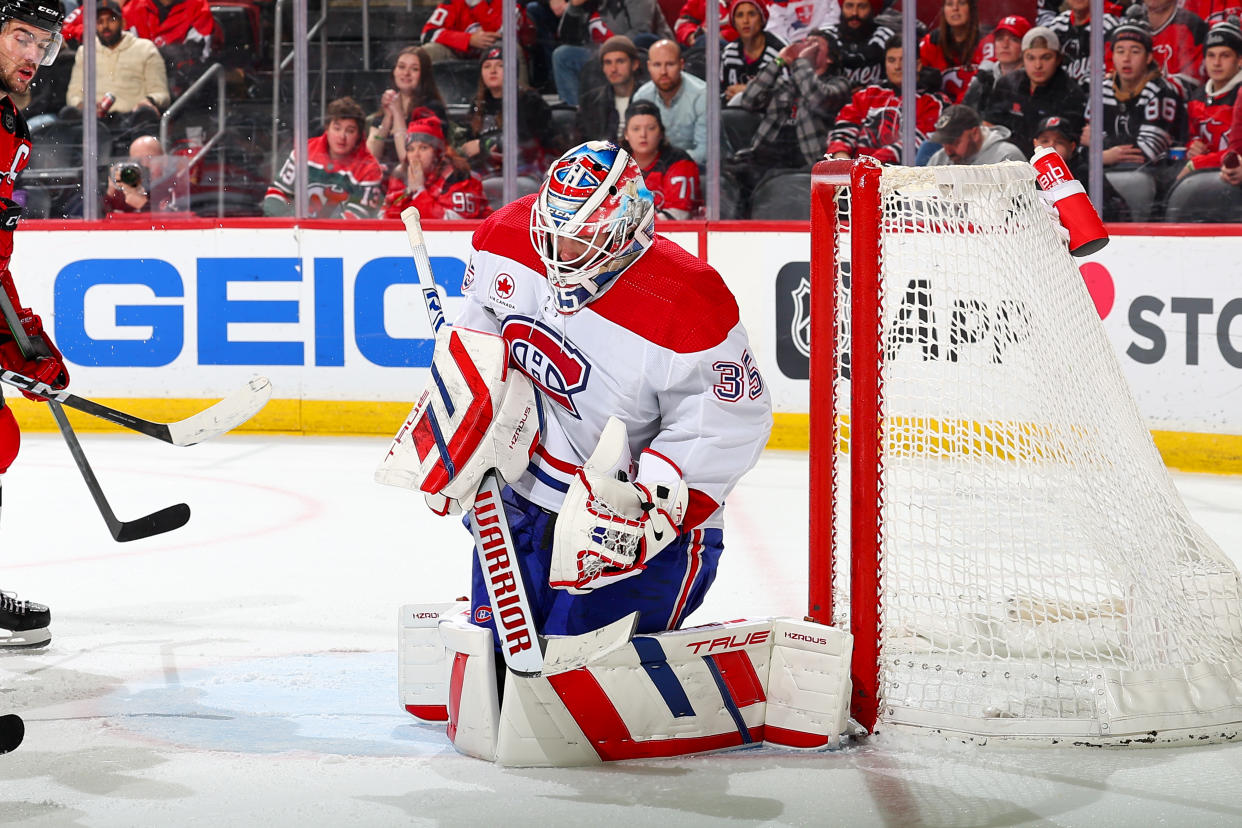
(29, 38)
(870, 124)
(433, 182)
(1210, 111)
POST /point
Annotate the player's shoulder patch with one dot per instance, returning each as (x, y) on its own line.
(672, 299)
(11, 120)
(506, 232)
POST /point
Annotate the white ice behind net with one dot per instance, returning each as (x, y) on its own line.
(1033, 543)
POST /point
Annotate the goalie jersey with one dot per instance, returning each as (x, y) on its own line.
(663, 349)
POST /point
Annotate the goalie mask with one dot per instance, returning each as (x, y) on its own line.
(40, 14)
(593, 218)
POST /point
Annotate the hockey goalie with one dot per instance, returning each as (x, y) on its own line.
(603, 374)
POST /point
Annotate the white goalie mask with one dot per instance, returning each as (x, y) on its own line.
(595, 203)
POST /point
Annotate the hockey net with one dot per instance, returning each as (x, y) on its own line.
(989, 515)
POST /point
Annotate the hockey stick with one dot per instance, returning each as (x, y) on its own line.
(520, 644)
(222, 417)
(157, 523)
(12, 731)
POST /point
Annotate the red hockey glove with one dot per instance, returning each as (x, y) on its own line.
(49, 370)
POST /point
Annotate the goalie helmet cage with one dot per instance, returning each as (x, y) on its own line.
(990, 518)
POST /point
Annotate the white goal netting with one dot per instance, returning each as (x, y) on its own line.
(1040, 576)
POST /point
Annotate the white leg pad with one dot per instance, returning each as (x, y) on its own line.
(422, 660)
(808, 685)
(473, 706)
(671, 694)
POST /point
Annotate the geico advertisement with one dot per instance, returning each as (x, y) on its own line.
(327, 315)
(1171, 307)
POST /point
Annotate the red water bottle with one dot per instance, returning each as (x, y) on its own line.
(106, 102)
(1078, 215)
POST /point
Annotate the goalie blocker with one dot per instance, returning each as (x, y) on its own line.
(778, 681)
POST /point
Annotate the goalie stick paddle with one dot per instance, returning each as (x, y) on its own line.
(520, 643)
(157, 523)
(12, 731)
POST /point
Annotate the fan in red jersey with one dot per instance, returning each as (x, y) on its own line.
(1177, 43)
(437, 182)
(870, 124)
(1211, 109)
(954, 48)
(671, 175)
(29, 38)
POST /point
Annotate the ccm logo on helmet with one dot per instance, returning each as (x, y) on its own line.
(555, 366)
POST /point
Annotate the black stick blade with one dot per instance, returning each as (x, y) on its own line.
(12, 731)
(157, 523)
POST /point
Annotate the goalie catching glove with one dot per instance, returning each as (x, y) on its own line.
(608, 528)
(474, 415)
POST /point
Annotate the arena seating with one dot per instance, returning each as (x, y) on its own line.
(1203, 197)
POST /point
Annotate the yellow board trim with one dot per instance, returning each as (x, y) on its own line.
(1215, 453)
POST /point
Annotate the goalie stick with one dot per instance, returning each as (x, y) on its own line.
(12, 731)
(520, 643)
(156, 523)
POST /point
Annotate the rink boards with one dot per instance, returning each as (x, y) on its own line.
(162, 319)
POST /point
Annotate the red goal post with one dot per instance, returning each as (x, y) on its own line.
(989, 517)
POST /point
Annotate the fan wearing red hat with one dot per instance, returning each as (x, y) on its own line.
(438, 183)
(1003, 48)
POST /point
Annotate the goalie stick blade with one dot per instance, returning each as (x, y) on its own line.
(224, 416)
(12, 731)
(157, 523)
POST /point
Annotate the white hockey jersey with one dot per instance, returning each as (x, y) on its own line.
(663, 349)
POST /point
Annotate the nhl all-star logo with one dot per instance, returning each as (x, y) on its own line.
(800, 323)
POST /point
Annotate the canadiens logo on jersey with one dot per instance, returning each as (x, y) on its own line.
(558, 368)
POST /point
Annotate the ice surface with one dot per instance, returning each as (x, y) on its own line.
(242, 670)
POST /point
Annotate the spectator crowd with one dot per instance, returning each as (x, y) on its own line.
(799, 81)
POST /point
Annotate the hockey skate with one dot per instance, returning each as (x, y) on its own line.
(23, 623)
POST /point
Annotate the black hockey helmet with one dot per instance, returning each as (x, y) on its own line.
(42, 14)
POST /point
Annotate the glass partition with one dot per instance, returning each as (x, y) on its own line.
(726, 106)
